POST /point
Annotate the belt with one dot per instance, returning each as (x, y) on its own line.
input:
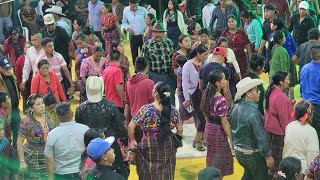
(214, 120)
(150, 134)
(245, 151)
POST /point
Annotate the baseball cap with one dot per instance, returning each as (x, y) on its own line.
(12, 30)
(5, 62)
(220, 50)
(97, 147)
(271, 7)
(304, 5)
(48, 19)
(209, 173)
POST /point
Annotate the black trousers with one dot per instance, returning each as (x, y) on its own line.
(73, 176)
(316, 119)
(136, 43)
(255, 166)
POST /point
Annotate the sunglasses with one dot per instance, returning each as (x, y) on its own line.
(50, 24)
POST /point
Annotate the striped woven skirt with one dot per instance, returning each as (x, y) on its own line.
(276, 144)
(36, 161)
(218, 150)
(156, 161)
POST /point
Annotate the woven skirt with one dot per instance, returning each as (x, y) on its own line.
(184, 114)
(218, 150)
(156, 161)
(36, 161)
(276, 144)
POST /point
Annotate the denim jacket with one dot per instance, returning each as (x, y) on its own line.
(247, 127)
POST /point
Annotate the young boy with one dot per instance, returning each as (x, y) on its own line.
(102, 154)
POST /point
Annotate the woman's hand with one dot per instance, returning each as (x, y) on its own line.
(133, 144)
(186, 104)
(23, 166)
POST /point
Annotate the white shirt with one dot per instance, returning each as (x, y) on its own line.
(29, 63)
(207, 14)
(231, 58)
(65, 145)
(134, 20)
(301, 141)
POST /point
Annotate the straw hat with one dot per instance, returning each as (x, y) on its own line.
(48, 19)
(245, 85)
(95, 88)
(55, 10)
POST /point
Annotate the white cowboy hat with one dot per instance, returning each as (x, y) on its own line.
(48, 19)
(95, 88)
(245, 85)
(55, 10)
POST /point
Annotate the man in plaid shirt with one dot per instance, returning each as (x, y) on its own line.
(158, 52)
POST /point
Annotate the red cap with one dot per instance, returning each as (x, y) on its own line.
(220, 50)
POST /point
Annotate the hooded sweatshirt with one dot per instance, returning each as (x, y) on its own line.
(138, 92)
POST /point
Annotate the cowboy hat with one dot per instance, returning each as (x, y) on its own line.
(245, 85)
(95, 88)
(55, 10)
(158, 27)
(48, 19)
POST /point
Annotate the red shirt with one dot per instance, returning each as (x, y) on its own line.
(138, 92)
(278, 115)
(10, 51)
(112, 76)
(40, 86)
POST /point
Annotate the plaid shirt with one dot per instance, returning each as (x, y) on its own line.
(158, 56)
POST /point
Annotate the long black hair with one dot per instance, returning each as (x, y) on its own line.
(276, 79)
(221, 40)
(152, 17)
(279, 22)
(249, 14)
(175, 8)
(210, 91)
(163, 90)
(199, 49)
(192, 27)
(288, 168)
(256, 61)
(277, 36)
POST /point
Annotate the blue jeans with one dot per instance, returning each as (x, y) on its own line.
(167, 78)
(4, 22)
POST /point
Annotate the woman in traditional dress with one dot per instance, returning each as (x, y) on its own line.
(238, 43)
(215, 108)
(156, 153)
(150, 19)
(89, 67)
(192, 93)
(277, 115)
(110, 26)
(29, 18)
(173, 22)
(34, 129)
(194, 32)
(83, 51)
(178, 59)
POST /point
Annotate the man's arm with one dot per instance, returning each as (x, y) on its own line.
(50, 168)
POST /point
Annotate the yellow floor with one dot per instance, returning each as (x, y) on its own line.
(186, 168)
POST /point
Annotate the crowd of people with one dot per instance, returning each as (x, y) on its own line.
(210, 54)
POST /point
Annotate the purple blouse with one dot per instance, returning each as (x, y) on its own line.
(89, 68)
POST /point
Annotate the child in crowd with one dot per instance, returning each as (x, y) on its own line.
(100, 151)
(50, 102)
(290, 169)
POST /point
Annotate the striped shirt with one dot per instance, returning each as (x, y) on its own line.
(56, 62)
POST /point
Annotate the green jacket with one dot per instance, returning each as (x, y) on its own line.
(280, 60)
(247, 127)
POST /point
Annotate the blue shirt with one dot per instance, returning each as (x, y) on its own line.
(94, 15)
(310, 82)
(135, 20)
